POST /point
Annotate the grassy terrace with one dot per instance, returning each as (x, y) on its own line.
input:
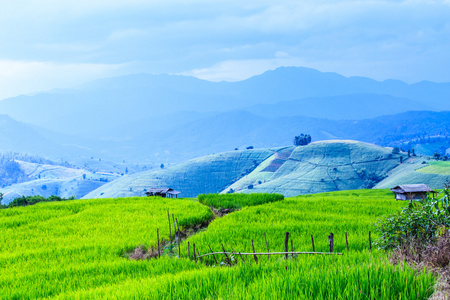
(74, 250)
(437, 167)
(318, 215)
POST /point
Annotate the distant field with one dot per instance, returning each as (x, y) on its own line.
(75, 250)
(437, 167)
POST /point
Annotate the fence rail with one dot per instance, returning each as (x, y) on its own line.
(269, 253)
(177, 236)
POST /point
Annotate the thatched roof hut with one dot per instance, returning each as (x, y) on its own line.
(163, 192)
(411, 191)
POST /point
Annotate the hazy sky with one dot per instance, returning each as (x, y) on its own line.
(48, 44)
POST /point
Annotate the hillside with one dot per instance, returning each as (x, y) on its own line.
(418, 170)
(47, 180)
(208, 174)
(318, 167)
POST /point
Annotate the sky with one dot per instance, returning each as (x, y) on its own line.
(49, 44)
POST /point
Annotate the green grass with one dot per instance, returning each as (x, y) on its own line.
(353, 212)
(50, 248)
(237, 200)
(436, 167)
(357, 276)
(74, 250)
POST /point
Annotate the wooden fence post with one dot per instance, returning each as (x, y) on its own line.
(213, 255)
(346, 240)
(175, 231)
(286, 244)
(312, 241)
(170, 229)
(157, 237)
(226, 256)
(253, 247)
(331, 241)
(239, 254)
(195, 255)
(189, 252)
(370, 243)
(178, 238)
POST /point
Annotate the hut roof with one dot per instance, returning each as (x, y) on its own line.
(412, 188)
(163, 191)
(158, 190)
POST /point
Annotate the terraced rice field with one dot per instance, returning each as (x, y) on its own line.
(75, 250)
(436, 167)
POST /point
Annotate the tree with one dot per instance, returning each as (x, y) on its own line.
(413, 152)
(1, 198)
(162, 166)
(395, 150)
(302, 140)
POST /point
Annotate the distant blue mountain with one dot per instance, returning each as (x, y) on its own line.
(103, 105)
(350, 107)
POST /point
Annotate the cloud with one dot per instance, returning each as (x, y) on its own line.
(408, 39)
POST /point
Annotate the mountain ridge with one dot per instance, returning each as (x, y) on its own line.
(120, 100)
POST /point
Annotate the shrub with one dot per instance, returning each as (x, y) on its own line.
(30, 200)
(420, 222)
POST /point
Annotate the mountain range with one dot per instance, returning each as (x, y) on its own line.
(133, 123)
(103, 105)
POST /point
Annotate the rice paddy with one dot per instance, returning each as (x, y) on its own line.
(436, 167)
(235, 201)
(75, 250)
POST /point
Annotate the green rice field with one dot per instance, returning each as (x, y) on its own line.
(238, 200)
(436, 167)
(76, 250)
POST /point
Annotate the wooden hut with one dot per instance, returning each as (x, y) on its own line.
(411, 191)
(163, 192)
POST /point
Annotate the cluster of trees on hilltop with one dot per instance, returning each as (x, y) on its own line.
(302, 140)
